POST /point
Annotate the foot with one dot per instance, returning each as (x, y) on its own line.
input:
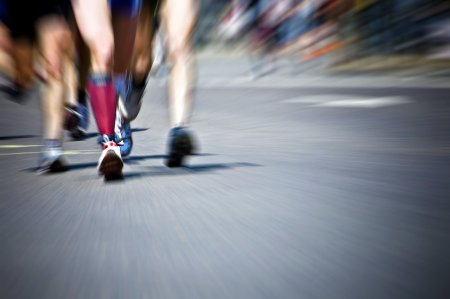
(10, 89)
(71, 118)
(125, 140)
(123, 136)
(79, 132)
(180, 145)
(110, 163)
(130, 99)
(52, 159)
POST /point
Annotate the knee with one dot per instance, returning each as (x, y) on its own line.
(101, 50)
(55, 46)
(178, 49)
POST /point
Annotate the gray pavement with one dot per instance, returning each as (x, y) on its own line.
(315, 190)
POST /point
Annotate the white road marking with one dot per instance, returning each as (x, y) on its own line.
(350, 101)
(68, 153)
(18, 146)
(313, 82)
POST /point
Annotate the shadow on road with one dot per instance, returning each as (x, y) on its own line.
(135, 159)
(2, 138)
(129, 160)
(139, 130)
(187, 170)
(162, 170)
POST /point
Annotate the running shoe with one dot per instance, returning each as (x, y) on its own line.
(123, 137)
(80, 130)
(110, 163)
(180, 144)
(10, 89)
(130, 99)
(71, 118)
(52, 159)
(126, 140)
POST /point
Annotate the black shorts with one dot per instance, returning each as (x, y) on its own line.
(22, 15)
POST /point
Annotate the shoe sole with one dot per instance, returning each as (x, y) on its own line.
(111, 167)
(182, 146)
(54, 167)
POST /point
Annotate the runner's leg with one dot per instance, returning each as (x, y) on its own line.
(179, 17)
(56, 52)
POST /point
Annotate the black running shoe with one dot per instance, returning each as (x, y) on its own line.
(180, 145)
(71, 118)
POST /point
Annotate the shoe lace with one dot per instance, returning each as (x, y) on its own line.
(107, 142)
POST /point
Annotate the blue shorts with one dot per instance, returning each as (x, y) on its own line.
(3, 11)
(127, 7)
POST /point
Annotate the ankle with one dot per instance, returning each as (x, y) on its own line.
(52, 143)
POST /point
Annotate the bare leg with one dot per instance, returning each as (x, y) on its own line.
(84, 60)
(6, 62)
(55, 45)
(23, 57)
(124, 28)
(70, 80)
(142, 56)
(130, 105)
(134, 46)
(94, 21)
(82, 109)
(179, 17)
(56, 50)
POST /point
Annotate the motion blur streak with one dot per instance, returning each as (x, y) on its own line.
(323, 170)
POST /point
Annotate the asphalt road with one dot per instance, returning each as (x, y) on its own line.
(313, 191)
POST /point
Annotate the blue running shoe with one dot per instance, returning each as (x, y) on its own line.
(122, 131)
(127, 141)
(80, 131)
(83, 110)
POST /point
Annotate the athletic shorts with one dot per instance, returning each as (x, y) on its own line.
(127, 7)
(3, 11)
(22, 15)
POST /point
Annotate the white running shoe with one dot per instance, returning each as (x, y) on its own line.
(110, 163)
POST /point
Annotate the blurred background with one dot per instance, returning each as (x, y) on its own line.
(345, 35)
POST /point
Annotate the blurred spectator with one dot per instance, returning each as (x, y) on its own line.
(361, 28)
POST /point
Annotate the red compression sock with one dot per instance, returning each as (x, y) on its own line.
(103, 102)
